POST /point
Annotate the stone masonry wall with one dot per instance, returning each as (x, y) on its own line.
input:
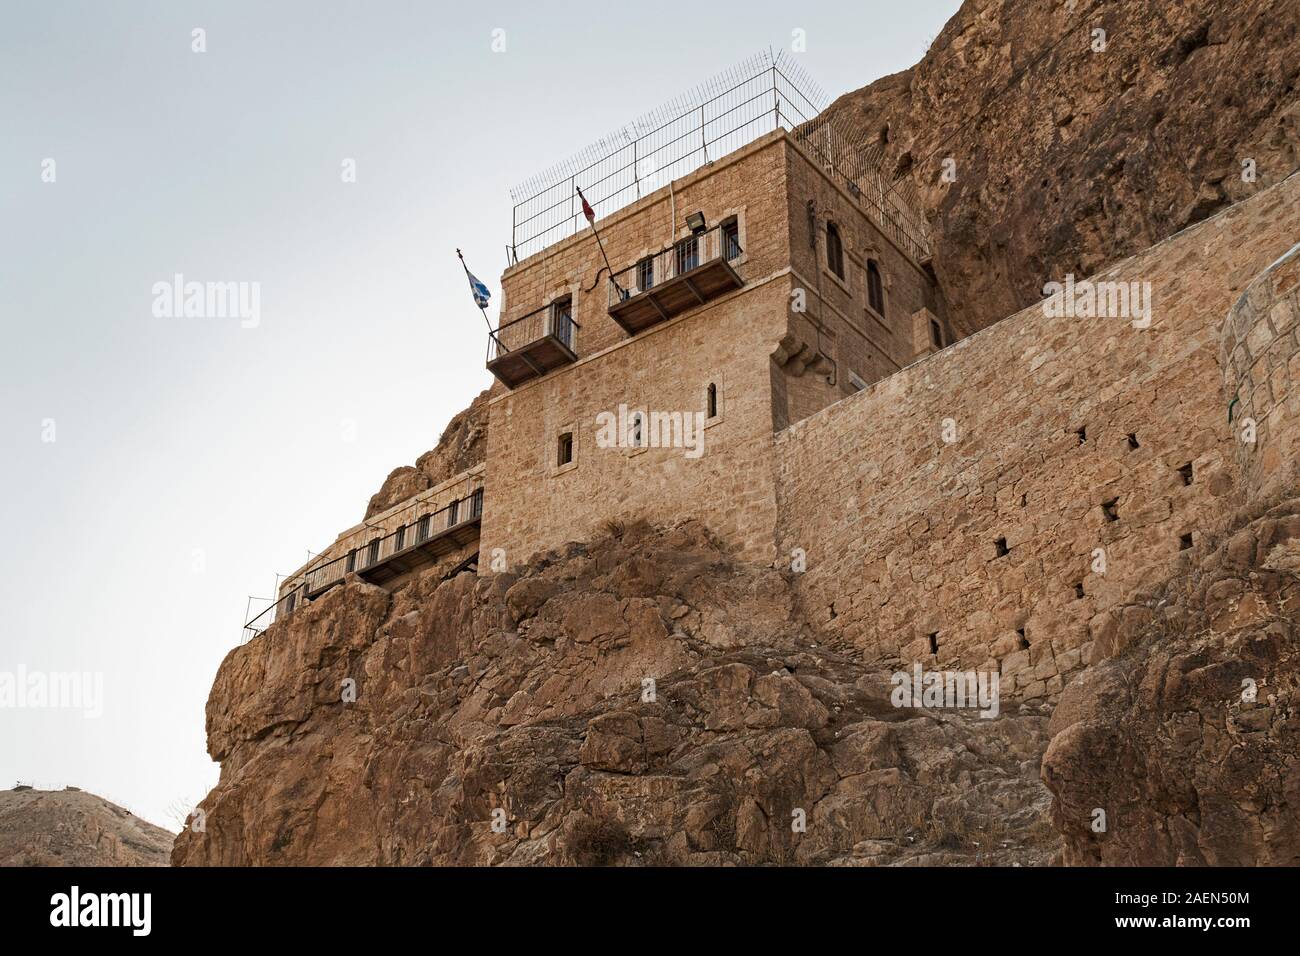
(768, 360)
(531, 503)
(1260, 355)
(748, 184)
(988, 542)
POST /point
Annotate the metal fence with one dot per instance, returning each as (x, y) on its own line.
(764, 93)
(375, 551)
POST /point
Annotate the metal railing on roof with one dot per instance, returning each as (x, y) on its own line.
(762, 94)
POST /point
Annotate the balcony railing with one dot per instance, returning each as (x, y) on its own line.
(416, 543)
(688, 273)
(534, 344)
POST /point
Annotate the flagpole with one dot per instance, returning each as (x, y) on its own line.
(592, 221)
(481, 308)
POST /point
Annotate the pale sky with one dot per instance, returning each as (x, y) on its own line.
(157, 471)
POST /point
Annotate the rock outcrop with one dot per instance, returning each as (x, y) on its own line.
(639, 700)
(463, 445)
(1068, 158)
(73, 828)
(1185, 733)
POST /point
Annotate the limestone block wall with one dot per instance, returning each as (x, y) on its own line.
(873, 344)
(1260, 355)
(1071, 436)
(532, 503)
(748, 184)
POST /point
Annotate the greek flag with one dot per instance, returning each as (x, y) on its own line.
(481, 293)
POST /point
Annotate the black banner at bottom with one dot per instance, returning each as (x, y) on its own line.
(340, 904)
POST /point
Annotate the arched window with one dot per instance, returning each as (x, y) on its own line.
(834, 249)
(711, 410)
(875, 289)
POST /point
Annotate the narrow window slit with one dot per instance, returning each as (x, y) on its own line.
(1185, 541)
(1001, 545)
(1111, 509)
(1185, 472)
(1078, 590)
(934, 643)
(1133, 442)
(1024, 641)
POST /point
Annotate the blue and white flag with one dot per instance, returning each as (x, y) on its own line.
(481, 293)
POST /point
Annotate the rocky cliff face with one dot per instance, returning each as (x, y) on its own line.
(1187, 738)
(640, 700)
(73, 828)
(1068, 159)
(463, 445)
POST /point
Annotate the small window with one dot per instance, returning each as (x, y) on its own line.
(372, 553)
(834, 249)
(876, 288)
(934, 642)
(453, 514)
(645, 273)
(936, 333)
(400, 541)
(1110, 509)
(422, 530)
(731, 238)
(1000, 546)
(564, 449)
(711, 401)
(636, 436)
(351, 563)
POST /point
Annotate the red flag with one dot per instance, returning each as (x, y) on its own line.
(586, 209)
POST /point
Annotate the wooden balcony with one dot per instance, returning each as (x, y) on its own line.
(688, 274)
(531, 346)
(413, 545)
(417, 544)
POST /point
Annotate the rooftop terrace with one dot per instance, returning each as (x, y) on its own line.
(766, 92)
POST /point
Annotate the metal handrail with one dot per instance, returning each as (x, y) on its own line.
(267, 617)
(668, 263)
(762, 94)
(377, 550)
(530, 327)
